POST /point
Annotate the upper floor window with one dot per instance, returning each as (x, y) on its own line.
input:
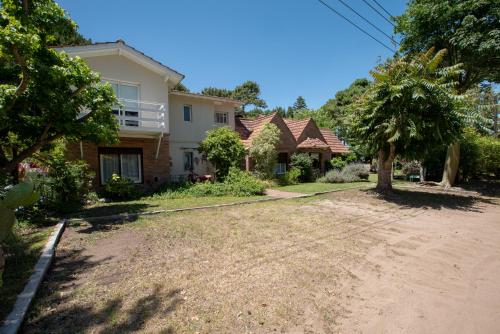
(221, 117)
(188, 113)
(128, 95)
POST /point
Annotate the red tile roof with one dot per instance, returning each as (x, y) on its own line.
(335, 144)
(314, 143)
(296, 126)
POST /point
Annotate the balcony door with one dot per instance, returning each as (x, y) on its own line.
(128, 112)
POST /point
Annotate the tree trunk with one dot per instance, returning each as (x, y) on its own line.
(385, 160)
(451, 165)
(2, 265)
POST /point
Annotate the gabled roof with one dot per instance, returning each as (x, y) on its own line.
(297, 126)
(314, 143)
(335, 144)
(121, 48)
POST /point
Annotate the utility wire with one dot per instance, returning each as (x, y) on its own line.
(354, 24)
(368, 21)
(379, 13)
(385, 10)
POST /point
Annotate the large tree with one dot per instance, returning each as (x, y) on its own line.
(42, 91)
(469, 30)
(299, 104)
(248, 93)
(263, 150)
(409, 108)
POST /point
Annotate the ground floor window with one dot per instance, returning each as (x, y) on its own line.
(125, 162)
(280, 167)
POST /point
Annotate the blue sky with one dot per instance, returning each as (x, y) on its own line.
(290, 47)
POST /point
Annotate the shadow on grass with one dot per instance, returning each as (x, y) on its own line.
(429, 200)
(62, 307)
(483, 188)
(112, 209)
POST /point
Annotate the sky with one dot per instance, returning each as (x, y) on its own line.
(289, 47)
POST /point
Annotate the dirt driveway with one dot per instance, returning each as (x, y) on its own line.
(349, 262)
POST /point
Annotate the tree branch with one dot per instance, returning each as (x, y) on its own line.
(26, 7)
(23, 85)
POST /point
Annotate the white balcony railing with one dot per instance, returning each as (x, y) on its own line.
(138, 115)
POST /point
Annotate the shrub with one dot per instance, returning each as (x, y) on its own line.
(479, 155)
(340, 161)
(119, 188)
(241, 183)
(411, 168)
(263, 150)
(290, 177)
(304, 163)
(360, 171)
(223, 148)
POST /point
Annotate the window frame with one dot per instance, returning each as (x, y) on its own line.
(192, 160)
(225, 116)
(190, 113)
(119, 151)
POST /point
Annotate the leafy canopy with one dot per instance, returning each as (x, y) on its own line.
(42, 91)
(263, 150)
(411, 106)
(223, 148)
(248, 93)
(468, 29)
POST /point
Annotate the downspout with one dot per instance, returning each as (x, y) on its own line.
(158, 146)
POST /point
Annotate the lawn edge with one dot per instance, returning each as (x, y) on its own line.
(15, 318)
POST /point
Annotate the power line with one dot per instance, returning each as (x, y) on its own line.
(385, 10)
(368, 21)
(379, 13)
(354, 24)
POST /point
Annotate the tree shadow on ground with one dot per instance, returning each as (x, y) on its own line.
(104, 225)
(483, 188)
(431, 200)
(60, 306)
(112, 209)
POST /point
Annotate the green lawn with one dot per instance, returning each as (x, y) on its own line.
(314, 187)
(153, 203)
(22, 250)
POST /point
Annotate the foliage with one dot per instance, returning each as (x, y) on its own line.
(320, 117)
(292, 176)
(304, 163)
(21, 194)
(468, 29)
(411, 168)
(119, 188)
(350, 173)
(42, 91)
(409, 108)
(299, 104)
(340, 161)
(248, 93)
(182, 88)
(479, 155)
(263, 150)
(242, 183)
(223, 148)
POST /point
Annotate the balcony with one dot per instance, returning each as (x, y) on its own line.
(141, 116)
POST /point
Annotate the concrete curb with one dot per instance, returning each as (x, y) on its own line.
(14, 320)
(131, 216)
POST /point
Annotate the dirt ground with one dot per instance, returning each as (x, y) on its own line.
(349, 262)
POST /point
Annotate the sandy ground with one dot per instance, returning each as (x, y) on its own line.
(348, 262)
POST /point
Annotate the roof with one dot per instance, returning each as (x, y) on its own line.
(253, 127)
(297, 126)
(206, 97)
(315, 143)
(335, 144)
(121, 48)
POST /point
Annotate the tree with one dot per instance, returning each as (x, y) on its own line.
(409, 108)
(263, 150)
(42, 91)
(223, 148)
(470, 31)
(280, 110)
(181, 88)
(220, 92)
(320, 117)
(249, 94)
(299, 104)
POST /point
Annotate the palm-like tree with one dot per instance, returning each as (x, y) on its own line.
(410, 107)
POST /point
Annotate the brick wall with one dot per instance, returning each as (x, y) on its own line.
(155, 171)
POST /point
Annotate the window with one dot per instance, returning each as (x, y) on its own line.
(221, 117)
(280, 168)
(128, 96)
(188, 161)
(125, 162)
(188, 113)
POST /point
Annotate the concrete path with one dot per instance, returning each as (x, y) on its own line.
(283, 194)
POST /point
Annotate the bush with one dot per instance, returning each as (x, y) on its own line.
(118, 188)
(411, 168)
(479, 155)
(360, 171)
(304, 163)
(290, 177)
(339, 162)
(350, 173)
(263, 150)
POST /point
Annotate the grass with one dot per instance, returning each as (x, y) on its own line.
(152, 203)
(22, 251)
(314, 187)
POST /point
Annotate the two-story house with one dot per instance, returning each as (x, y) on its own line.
(160, 128)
